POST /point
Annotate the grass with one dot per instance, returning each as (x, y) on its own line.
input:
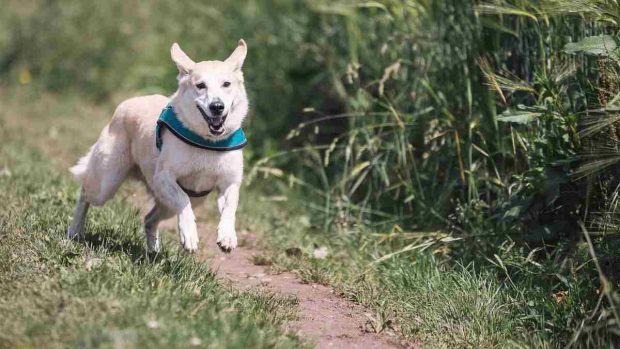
(112, 291)
(447, 154)
(515, 299)
(105, 292)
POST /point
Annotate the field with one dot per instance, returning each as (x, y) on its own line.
(454, 163)
(106, 292)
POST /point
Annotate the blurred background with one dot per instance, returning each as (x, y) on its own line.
(484, 132)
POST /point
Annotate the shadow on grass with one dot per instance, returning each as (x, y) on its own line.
(116, 242)
(170, 261)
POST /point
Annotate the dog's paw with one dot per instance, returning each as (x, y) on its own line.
(188, 234)
(75, 231)
(189, 238)
(226, 238)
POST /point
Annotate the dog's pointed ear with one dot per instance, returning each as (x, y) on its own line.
(183, 62)
(238, 56)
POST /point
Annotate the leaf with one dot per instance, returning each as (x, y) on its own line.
(518, 116)
(493, 24)
(359, 168)
(602, 45)
(345, 9)
(492, 9)
(389, 71)
(514, 212)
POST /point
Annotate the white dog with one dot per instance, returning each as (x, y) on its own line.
(193, 148)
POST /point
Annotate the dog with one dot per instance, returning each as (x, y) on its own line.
(180, 161)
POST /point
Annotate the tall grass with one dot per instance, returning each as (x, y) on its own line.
(424, 140)
(456, 124)
(462, 116)
(480, 121)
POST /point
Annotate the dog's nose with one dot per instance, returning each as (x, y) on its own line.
(216, 107)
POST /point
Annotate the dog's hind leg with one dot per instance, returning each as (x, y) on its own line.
(157, 214)
(76, 228)
(108, 162)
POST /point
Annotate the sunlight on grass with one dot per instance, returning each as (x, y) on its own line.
(106, 291)
(443, 155)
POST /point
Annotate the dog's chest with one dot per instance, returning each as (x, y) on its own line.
(208, 170)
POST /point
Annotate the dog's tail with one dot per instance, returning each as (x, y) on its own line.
(80, 168)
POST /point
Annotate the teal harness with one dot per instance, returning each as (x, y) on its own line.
(168, 118)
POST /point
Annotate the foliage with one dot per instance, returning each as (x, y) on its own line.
(456, 126)
(111, 48)
(499, 122)
(517, 298)
(107, 291)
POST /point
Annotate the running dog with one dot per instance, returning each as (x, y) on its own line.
(182, 147)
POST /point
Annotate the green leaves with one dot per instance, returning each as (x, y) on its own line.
(517, 116)
(521, 115)
(602, 45)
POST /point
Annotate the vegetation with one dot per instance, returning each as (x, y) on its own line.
(458, 158)
(107, 292)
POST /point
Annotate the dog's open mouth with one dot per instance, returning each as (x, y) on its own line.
(216, 130)
(215, 124)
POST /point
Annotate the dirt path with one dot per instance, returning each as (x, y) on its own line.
(326, 319)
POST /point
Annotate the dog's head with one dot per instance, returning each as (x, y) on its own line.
(211, 98)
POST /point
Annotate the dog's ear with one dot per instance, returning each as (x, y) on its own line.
(238, 56)
(183, 62)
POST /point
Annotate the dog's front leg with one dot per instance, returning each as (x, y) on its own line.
(170, 194)
(227, 202)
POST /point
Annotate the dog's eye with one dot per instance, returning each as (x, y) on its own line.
(226, 84)
(201, 86)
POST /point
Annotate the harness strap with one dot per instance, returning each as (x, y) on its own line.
(169, 119)
(194, 194)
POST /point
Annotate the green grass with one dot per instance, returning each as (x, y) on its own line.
(516, 299)
(438, 147)
(108, 290)
(105, 292)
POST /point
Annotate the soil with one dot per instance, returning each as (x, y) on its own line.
(325, 318)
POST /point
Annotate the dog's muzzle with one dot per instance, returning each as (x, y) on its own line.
(215, 123)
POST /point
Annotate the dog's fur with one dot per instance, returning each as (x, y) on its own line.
(127, 146)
